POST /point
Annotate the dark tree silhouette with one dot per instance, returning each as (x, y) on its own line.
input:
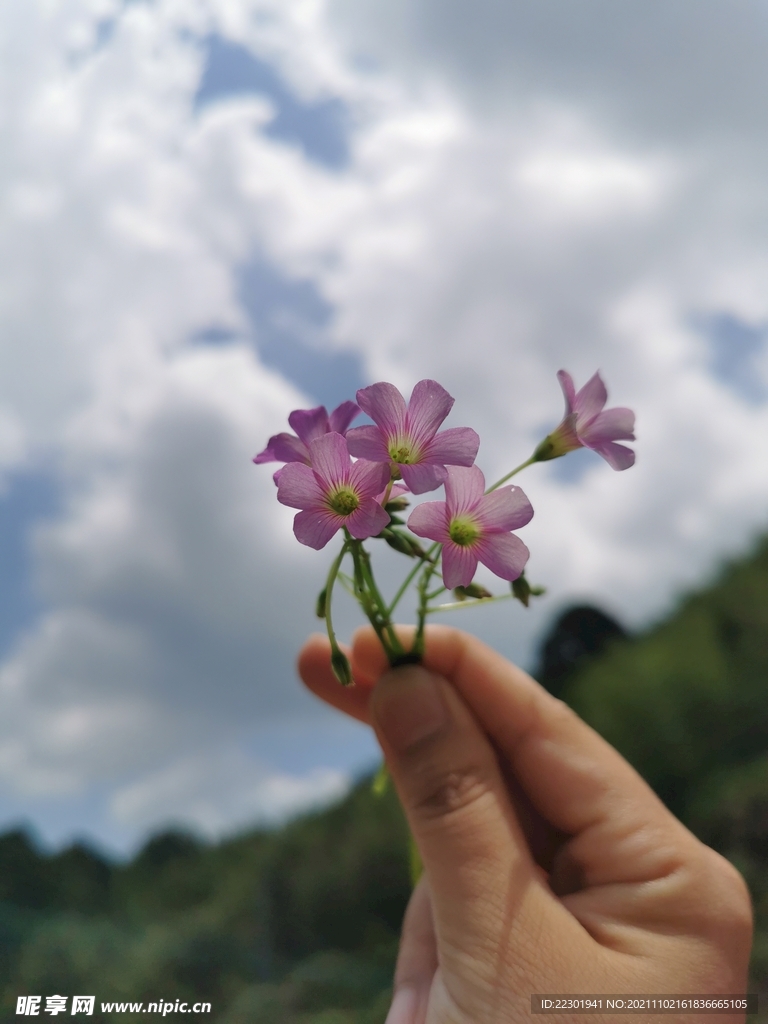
(577, 636)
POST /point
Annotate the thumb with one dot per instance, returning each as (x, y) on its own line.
(483, 880)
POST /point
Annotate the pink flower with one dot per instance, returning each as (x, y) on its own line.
(308, 424)
(333, 492)
(587, 425)
(475, 527)
(407, 439)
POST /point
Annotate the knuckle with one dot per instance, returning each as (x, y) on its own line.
(451, 793)
(718, 901)
(733, 905)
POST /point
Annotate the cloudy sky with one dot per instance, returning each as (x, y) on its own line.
(215, 211)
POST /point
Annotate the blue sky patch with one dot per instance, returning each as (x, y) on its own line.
(734, 346)
(29, 498)
(319, 128)
(573, 467)
(290, 318)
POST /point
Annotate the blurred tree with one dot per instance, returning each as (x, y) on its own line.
(578, 635)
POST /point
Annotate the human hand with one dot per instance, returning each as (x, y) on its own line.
(550, 865)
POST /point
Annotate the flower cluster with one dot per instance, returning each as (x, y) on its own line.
(355, 479)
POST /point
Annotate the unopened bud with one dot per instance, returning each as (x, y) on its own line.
(473, 590)
(523, 591)
(403, 543)
(320, 605)
(341, 667)
(396, 505)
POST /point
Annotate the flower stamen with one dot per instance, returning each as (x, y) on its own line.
(402, 454)
(463, 531)
(343, 501)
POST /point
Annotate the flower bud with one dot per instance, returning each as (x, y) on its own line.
(403, 543)
(396, 505)
(523, 591)
(341, 667)
(320, 605)
(473, 590)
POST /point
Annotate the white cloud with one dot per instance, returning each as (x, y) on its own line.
(218, 793)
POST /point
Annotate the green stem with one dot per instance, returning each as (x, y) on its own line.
(455, 605)
(408, 580)
(371, 601)
(386, 621)
(348, 583)
(333, 573)
(338, 658)
(418, 642)
(528, 462)
(361, 592)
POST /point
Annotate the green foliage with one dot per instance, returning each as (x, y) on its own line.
(688, 698)
(294, 925)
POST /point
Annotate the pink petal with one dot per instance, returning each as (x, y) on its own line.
(459, 565)
(464, 488)
(611, 425)
(423, 477)
(368, 478)
(315, 527)
(503, 510)
(430, 404)
(342, 416)
(367, 443)
(590, 400)
(309, 423)
(430, 520)
(283, 448)
(385, 405)
(503, 553)
(297, 487)
(456, 446)
(367, 520)
(569, 390)
(616, 455)
(330, 459)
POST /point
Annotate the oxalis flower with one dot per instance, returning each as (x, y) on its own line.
(333, 492)
(587, 425)
(309, 424)
(407, 438)
(475, 527)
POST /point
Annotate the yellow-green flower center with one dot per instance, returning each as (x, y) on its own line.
(402, 452)
(463, 531)
(343, 501)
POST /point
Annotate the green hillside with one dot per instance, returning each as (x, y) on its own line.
(299, 925)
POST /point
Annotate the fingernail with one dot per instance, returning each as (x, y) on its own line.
(409, 707)
(404, 1007)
